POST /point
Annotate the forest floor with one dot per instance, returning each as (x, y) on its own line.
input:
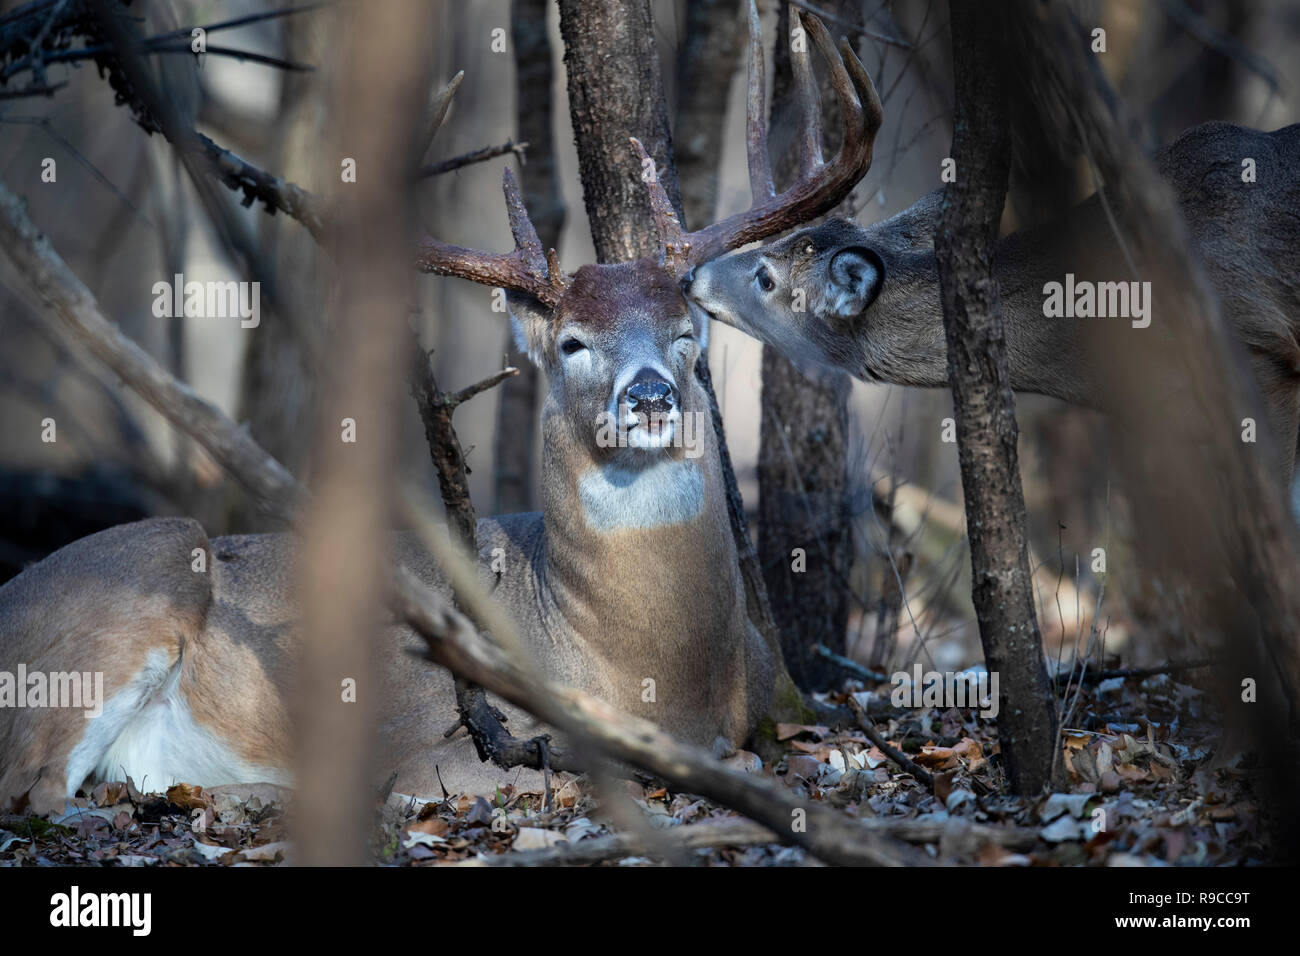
(1146, 788)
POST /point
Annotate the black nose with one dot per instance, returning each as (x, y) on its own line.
(649, 393)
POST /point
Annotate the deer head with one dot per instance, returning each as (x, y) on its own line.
(618, 342)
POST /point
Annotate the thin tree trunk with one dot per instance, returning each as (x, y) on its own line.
(515, 441)
(983, 403)
(804, 542)
(616, 91)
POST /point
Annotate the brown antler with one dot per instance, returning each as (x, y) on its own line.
(525, 270)
(818, 188)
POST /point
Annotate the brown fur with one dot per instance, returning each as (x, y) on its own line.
(600, 610)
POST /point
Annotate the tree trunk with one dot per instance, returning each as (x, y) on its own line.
(616, 91)
(805, 540)
(515, 441)
(983, 403)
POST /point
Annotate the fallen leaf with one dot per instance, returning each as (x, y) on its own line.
(434, 825)
(187, 796)
(421, 839)
(534, 838)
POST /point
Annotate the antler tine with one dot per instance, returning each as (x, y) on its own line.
(674, 246)
(559, 281)
(810, 124)
(521, 227)
(845, 93)
(873, 113)
(820, 187)
(760, 164)
(523, 270)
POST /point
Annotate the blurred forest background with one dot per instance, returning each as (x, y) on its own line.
(124, 217)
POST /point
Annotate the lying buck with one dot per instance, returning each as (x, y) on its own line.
(629, 575)
(866, 300)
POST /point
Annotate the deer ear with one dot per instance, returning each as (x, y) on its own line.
(531, 321)
(855, 278)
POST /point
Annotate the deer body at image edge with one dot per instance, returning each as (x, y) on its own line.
(871, 304)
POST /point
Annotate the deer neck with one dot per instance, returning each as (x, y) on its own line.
(1046, 354)
(638, 561)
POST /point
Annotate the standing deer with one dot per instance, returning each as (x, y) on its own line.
(866, 299)
(626, 585)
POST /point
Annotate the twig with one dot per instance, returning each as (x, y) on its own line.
(260, 186)
(1170, 667)
(66, 22)
(483, 721)
(43, 123)
(486, 724)
(695, 836)
(150, 46)
(492, 381)
(853, 667)
(243, 21)
(869, 729)
(474, 156)
(1200, 28)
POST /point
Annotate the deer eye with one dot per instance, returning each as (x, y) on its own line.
(764, 279)
(571, 346)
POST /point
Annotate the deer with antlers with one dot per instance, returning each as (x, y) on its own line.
(626, 585)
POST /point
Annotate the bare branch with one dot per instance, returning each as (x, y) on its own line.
(853, 667)
(492, 381)
(72, 304)
(38, 34)
(474, 156)
(257, 185)
(742, 833)
(888, 749)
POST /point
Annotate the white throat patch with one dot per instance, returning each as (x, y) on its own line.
(615, 497)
